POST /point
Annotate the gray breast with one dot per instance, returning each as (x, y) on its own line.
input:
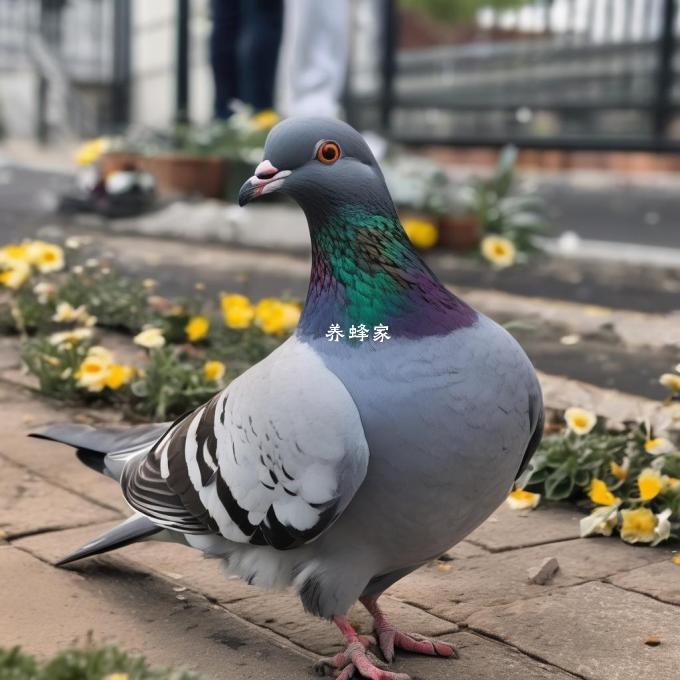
(447, 420)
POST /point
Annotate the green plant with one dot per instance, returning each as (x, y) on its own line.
(170, 384)
(451, 11)
(116, 300)
(103, 663)
(502, 209)
(628, 479)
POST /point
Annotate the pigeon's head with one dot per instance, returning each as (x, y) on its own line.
(319, 162)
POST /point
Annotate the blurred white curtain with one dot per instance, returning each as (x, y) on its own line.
(313, 61)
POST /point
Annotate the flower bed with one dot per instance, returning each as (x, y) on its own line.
(185, 350)
(628, 480)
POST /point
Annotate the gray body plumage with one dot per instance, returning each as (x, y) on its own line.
(447, 421)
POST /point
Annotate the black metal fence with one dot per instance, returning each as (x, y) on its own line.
(598, 74)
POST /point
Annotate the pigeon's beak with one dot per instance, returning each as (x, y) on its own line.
(266, 180)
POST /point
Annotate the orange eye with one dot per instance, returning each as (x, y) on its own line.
(328, 152)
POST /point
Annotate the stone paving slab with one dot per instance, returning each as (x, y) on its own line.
(179, 564)
(53, 461)
(502, 578)
(480, 659)
(595, 630)
(660, 581)
(140, 613)
(280, 612)
(283, 613)
(28, 503)
(509, 529)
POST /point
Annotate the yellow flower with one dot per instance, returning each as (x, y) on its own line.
(638, 525)
(579, 420)
(670, 381)
(151, 338)
(676, 559)
(422, 233)
(71, 337)
(90, 152)
(65, 313)
(116, 676)
(658, 445)
(600, 494)
(620, 471)
(499, 250)
(600, 521)
(14, 252)
(237, 311)
(275, 316)
(520, 499)
(197, 328)
(265, 120)
(118, 375)
(651, 483)
(47, 257)
(14, 274)
(643, 526)
(93, 372)
(213, 370)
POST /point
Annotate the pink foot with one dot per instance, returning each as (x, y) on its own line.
(355, 659)
(389, 638)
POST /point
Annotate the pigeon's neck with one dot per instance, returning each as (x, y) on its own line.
(365, 272)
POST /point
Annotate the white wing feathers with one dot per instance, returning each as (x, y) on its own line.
(273, 459)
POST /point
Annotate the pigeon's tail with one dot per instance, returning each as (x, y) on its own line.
(135, 528)
(104, 449)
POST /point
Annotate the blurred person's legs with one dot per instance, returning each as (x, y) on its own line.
(258, 51)
(317, 56)
(226, 27)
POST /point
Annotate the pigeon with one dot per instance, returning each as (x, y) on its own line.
(391, 424)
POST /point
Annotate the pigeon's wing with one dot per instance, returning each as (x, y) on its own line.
(273, 459)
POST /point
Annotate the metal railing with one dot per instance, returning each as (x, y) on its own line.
(598, 74)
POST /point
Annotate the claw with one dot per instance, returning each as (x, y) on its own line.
(390, 639)
(356, 660)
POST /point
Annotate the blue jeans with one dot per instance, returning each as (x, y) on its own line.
(244, 52)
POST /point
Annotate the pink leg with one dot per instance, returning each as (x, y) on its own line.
(355, 658)
(389, 638)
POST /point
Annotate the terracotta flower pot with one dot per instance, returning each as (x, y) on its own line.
(461, 233)
(186, 174)
(118, 160)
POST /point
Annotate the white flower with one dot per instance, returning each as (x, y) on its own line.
(70, 337)
(150, 338)
(658, 445)
(600, 521)
(44, 291)
(519, 499)
(65, 313)
(579, 420)
(663, 527)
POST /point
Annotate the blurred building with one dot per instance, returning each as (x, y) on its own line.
(569, 73)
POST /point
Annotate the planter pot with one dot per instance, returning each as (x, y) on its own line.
(118, 160)
(185, 174)
(459, 232)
